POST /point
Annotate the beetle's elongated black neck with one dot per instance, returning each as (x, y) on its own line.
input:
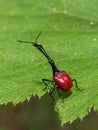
(40, 47)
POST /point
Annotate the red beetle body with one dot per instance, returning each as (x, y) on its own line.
(63, 80)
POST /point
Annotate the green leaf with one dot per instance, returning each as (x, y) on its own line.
(69, 35)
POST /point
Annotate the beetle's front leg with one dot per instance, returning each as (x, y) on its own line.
(46, 82)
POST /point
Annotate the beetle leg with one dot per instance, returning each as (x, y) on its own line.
(51, 91)
(59, 93)
(76, 84)
(46, 82)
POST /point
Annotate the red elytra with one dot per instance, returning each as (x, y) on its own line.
(63, 80)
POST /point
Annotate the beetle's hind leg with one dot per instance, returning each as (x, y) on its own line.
(76, 84)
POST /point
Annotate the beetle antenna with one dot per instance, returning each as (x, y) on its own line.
(37, 37)
(30, 42)
(23, 41)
